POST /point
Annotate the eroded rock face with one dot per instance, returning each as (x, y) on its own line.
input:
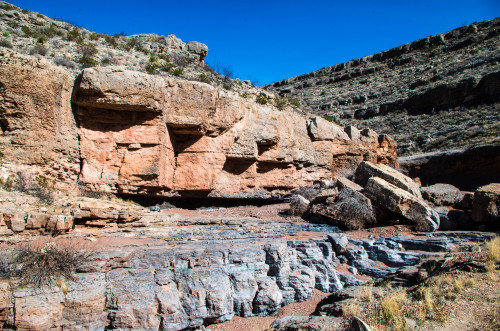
(36, 120)
(143, 134)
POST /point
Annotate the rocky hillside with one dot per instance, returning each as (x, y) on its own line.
(75, 48)
(436, 93)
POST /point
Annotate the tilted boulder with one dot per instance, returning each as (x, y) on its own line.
(402, 202)
(486, 204)
(151, 135)
(396, 178)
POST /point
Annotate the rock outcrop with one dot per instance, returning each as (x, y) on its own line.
(466, 169)
(486, 205)
(141, 134)
(437, 93)
(36, 120)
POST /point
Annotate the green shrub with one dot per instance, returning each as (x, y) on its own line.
(177, 72)
(41, 40)
(203, 78)
(281, 103)
(151, 68)
(164, 57)
(227, 86)
(75, 35)
(294, 102)
(153, 59)
(131, 43)
(262, 99)
(87, 62)
(94, 36)
(111, 40)
(139, 48)
(165, 66)
(27, 31)
(5, 34)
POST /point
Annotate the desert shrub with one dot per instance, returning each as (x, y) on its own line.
(87, 52)
(165, 66)
(153, 59)
(38, 49)
(87, 62)
(93, 36)
(140, 48)
(27, 31)
(75, 35)
(151, 68)
(49, 31)
(131, 43)
(203, 78)
(281, 103)
(5, 43)
(23, 181)
(228, 86)
(177, 71)
(62, 61)
(262, 99)
(111, 40)
(41, 40)
(43, 262)
(164, 57)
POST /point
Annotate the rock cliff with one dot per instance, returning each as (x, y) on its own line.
(439, 92)
(141, 134)
(132, 133)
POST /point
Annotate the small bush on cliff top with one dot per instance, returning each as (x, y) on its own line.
(262, 99)
(177, 72)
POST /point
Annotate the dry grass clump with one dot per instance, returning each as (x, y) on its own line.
(350, 308)
(492, 256)
(391, 309)
(366, 293)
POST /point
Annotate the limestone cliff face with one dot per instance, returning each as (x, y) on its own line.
(142, 134)
(132, 133)
(36, 120)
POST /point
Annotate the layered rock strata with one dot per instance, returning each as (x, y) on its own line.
(436, 93)
(141, 134)
(223, 268)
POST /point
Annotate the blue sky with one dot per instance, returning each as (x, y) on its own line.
(271, 40)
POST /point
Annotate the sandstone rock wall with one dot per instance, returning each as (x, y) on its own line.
(36, 120)
(142, 134)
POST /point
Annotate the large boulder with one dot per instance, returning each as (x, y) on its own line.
(441, 194)
(367, 169)
(350, 210)
(486, 204)
(151, 135)
(402, 202)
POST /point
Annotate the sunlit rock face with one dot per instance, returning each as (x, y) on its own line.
(150, 135)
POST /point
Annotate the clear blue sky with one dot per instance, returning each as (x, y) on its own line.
(272, 40)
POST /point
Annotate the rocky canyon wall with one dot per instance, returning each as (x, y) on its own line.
(132, 133)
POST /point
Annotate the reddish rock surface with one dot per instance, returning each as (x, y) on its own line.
(150, 135)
